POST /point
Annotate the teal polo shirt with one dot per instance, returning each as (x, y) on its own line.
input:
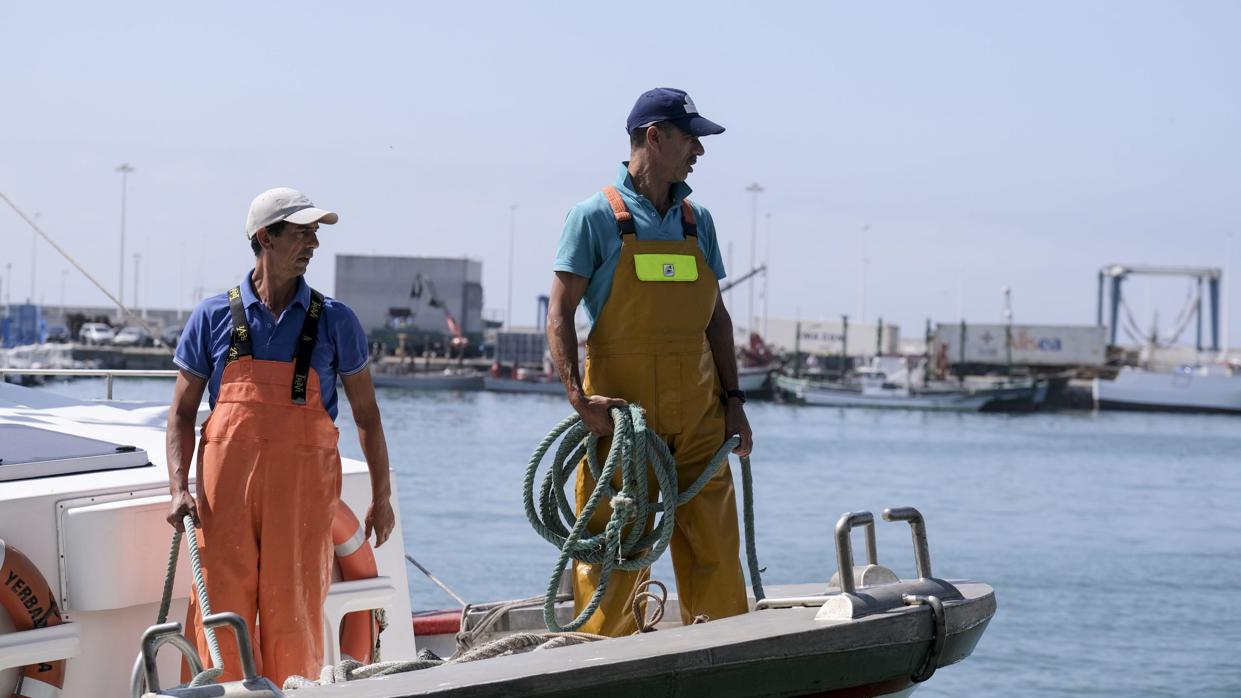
(590, 243)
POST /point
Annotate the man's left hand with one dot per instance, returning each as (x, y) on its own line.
(381, 520)
(735, 422)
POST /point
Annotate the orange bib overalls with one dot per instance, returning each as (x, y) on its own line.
(649, 346)
(268, 482)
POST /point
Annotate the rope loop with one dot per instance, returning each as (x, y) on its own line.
(625, 543)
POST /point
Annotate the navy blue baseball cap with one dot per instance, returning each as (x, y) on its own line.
(668, 104)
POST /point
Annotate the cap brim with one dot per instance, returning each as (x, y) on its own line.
(698, 126)
(310, 215)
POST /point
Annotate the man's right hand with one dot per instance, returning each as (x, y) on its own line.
(596, 413)
(182, 504)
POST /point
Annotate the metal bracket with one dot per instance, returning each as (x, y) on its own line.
(939, 634)
(844, 546)
(922, 552)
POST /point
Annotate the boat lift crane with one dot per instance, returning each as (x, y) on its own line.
(458, 341)
(1119, 272)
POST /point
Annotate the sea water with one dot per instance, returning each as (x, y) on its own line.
(1112, 540)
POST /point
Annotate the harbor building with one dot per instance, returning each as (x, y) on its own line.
(419, 297)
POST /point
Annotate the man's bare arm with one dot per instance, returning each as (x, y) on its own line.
(720, 337)
(361, 393)
(566, 294)
(187, 394)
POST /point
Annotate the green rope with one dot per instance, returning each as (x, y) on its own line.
(633, 447)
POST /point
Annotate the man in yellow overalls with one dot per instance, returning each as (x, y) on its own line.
(647, 264)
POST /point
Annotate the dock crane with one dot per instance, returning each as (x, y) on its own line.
(458, 342)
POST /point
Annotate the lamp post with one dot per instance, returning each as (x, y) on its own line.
(34, 249)
(63, 274)
(754, 189)
(512, 228)
(124, 168)
(766, 274)
(861, 295)
(137, 260)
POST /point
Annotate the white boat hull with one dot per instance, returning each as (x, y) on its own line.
(826, 396)
(1173, 391)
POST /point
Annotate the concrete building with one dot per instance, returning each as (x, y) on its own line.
(381, 291)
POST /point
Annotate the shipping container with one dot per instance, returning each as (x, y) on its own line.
(826, 337)
(1033, 345)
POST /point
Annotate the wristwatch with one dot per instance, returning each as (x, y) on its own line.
(730, 394)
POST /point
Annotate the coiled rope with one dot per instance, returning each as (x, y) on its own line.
(632, 448)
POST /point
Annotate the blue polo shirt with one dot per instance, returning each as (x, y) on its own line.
(341, 348)
(590, 243)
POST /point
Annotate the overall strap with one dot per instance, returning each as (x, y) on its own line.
(239, 344)
(624, 219)
(689, 225)
(306, 346)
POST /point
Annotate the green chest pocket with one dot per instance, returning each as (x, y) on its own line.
(665, 267)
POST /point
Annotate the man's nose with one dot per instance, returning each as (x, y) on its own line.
(698, 149)
(311, 240)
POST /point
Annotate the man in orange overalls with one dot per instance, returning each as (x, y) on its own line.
(647, 264)
(269, 352)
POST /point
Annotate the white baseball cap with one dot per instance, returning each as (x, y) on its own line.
(284, 204)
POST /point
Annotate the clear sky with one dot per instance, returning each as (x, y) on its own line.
(959, 147)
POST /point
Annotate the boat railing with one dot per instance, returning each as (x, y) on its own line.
(108, 374)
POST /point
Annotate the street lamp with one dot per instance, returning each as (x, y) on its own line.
(124, 168)
(137, 260)
(34, 249)
(512, 227)
(766, 274)
(754, 189)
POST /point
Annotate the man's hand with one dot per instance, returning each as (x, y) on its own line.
(182, 504)
(381, 520)
(735, 422)
(596, 413)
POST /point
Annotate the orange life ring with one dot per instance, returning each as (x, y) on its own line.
(30, 603)
(359, 631)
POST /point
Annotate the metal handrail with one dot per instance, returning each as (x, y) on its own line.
(107, 373)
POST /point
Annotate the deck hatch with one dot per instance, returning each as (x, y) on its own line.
(29, 452)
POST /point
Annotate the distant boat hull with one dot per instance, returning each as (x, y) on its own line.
(1170, 391)
(512, 385)
(831, 395)
(429, 381)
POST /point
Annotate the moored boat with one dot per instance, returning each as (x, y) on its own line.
(448, 379)
(1187, 389)
(872, 389)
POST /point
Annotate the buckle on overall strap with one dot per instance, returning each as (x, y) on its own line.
(306, 346)
(239, 343)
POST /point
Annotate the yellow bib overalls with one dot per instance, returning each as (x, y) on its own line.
(649, 347)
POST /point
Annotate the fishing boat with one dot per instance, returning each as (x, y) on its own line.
(82, 510)
(1210, 388)
(447, 379)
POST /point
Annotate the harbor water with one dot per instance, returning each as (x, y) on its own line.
(1113, 540)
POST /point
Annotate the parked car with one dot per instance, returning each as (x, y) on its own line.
(171, 335)
(95, 333)
(133, 336)
(57, 333)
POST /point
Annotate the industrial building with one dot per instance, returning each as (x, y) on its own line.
(412, 295)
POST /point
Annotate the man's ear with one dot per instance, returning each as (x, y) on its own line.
(654, 137)
(263, 237)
